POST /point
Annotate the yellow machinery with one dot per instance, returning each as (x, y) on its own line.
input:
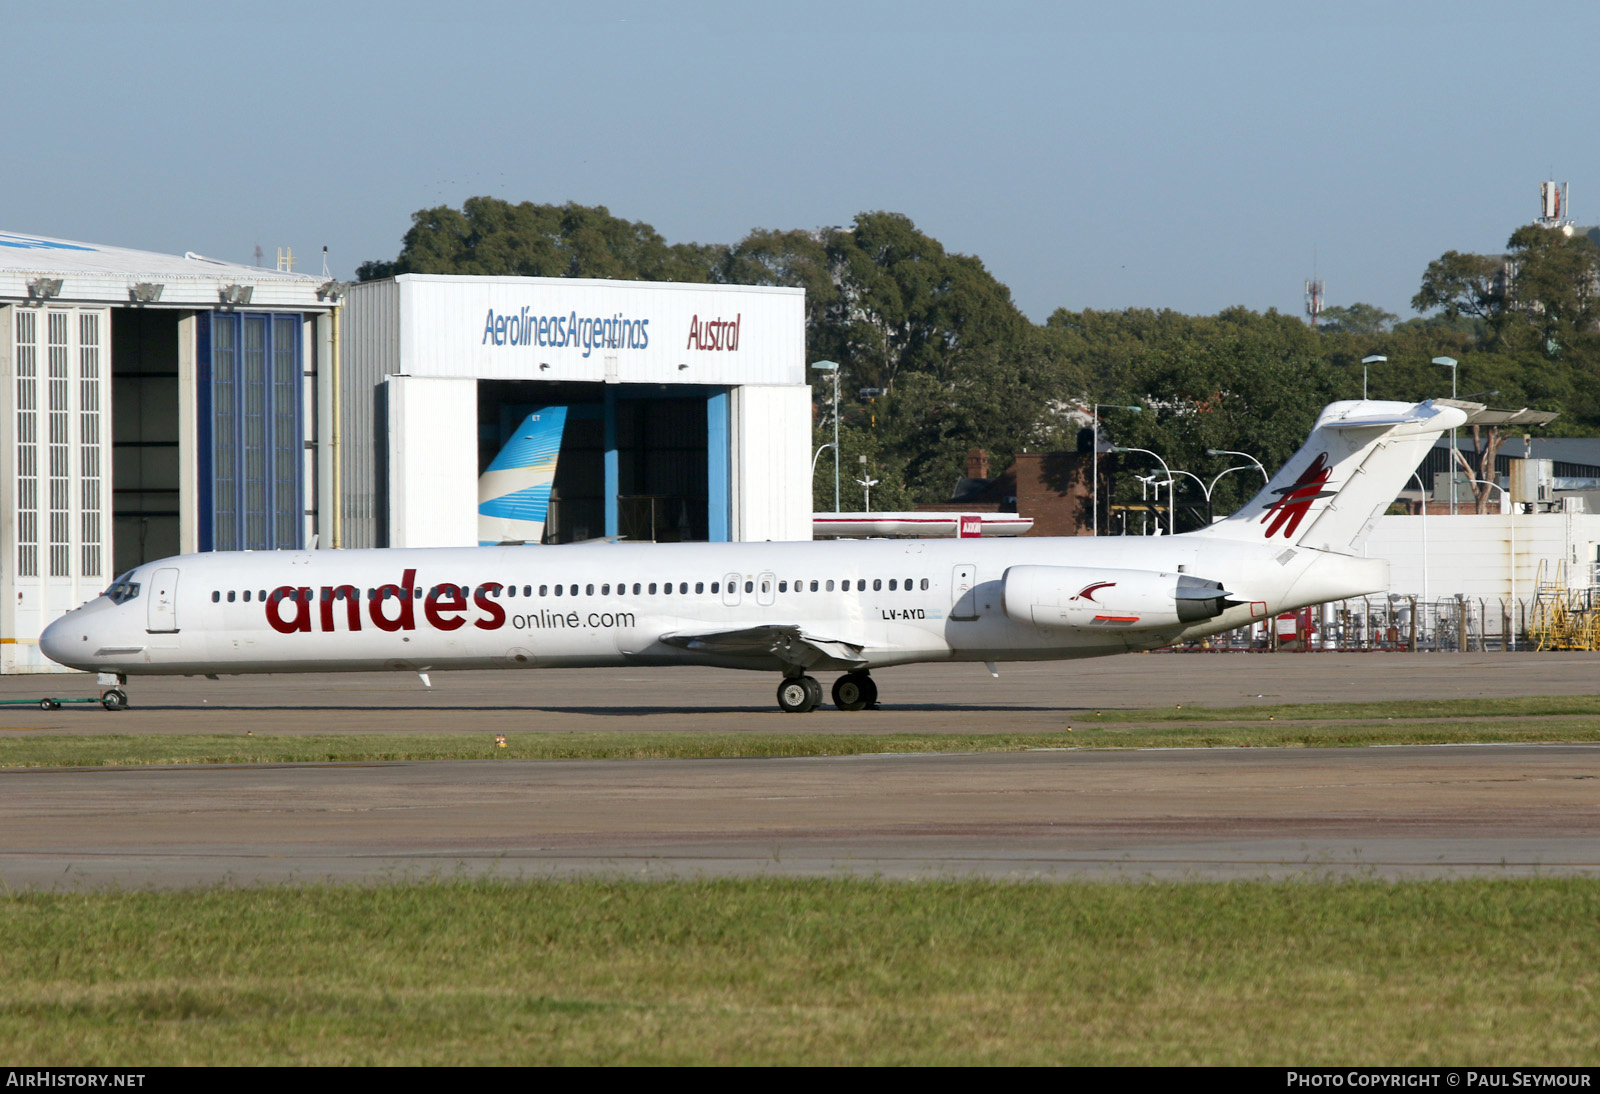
(1562, 618)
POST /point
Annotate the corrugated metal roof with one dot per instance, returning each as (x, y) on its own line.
(1573, 450)
(102, 274)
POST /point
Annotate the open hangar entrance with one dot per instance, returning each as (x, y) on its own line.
(146, 480)
(636, 462)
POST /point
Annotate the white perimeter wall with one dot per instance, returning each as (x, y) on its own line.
(433, 462)
(771, 439)
(1474, 554)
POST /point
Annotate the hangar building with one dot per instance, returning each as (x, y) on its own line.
(150, 405)
(687, 413)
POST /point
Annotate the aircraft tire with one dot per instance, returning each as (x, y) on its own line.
(854, 691)
(813, 689)
(114, 700)
(795, 696)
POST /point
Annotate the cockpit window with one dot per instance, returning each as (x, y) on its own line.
(123, 590)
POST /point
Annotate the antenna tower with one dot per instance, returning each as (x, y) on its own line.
(1553, 207)
(1314, 299)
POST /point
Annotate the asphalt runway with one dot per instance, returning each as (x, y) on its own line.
(1407, 812)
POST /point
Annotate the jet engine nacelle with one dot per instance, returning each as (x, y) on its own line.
(1081, 596)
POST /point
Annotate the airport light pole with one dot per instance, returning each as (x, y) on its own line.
(833, 367)
(1145, 483)
(1265, 478)
(1204, 489)
(1094, 502)
(1216, 478)
(1374, 359)
(1172, 493)
(867, 483)
(1424, 490)
(1455, 370)
(1229, 452)
(1511, 639)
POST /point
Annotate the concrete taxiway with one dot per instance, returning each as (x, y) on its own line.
(1027, 698)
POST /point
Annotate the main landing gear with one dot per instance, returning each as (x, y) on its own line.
(852, 691)
(799, 694)
(855, 691)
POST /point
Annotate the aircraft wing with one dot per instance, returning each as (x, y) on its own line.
(787, 642)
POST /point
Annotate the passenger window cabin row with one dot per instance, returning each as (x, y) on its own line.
(652, 588)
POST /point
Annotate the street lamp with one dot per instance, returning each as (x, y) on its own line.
(1229, 452)
(1094, 502)
(1455, 371)
(1207, 488)
(1217, 478)
(1424, 490)
(1204, 489)
(1145, 484)
(833, 367)
(866, 493)
(867, 483)
(1511, 639)
(1172, 493)
(1265, 478)
(1150, 487)
(1374, 359)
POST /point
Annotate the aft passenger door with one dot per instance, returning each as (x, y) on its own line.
(164, 601)
(963, 601)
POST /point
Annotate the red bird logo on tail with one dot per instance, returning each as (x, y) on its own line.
(1295, 501)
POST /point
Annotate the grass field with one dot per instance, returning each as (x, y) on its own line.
(766, 971)
(1322, 725)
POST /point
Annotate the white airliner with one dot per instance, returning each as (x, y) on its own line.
(790, 608)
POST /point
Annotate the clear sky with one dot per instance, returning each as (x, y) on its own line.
(1140, 154)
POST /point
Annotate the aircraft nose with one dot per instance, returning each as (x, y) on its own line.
(65, 641)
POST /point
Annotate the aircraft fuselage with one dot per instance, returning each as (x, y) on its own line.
(592, 605)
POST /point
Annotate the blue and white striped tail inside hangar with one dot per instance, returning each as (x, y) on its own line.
(514, 493)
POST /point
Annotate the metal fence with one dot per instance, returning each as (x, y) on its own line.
(1407, 623)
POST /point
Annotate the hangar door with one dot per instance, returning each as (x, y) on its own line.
(252, 442)
(57, 412)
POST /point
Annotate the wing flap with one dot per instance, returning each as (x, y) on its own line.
(786, 642)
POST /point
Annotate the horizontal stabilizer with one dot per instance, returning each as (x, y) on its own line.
(1372, 422)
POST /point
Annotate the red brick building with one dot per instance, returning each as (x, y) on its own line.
(1053, 488)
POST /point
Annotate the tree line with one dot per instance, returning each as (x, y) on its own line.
(937, 359)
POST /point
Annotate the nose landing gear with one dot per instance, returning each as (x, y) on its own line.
(112, 697)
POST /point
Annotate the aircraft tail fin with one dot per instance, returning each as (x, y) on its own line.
(514, 493)
(1331, 493)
